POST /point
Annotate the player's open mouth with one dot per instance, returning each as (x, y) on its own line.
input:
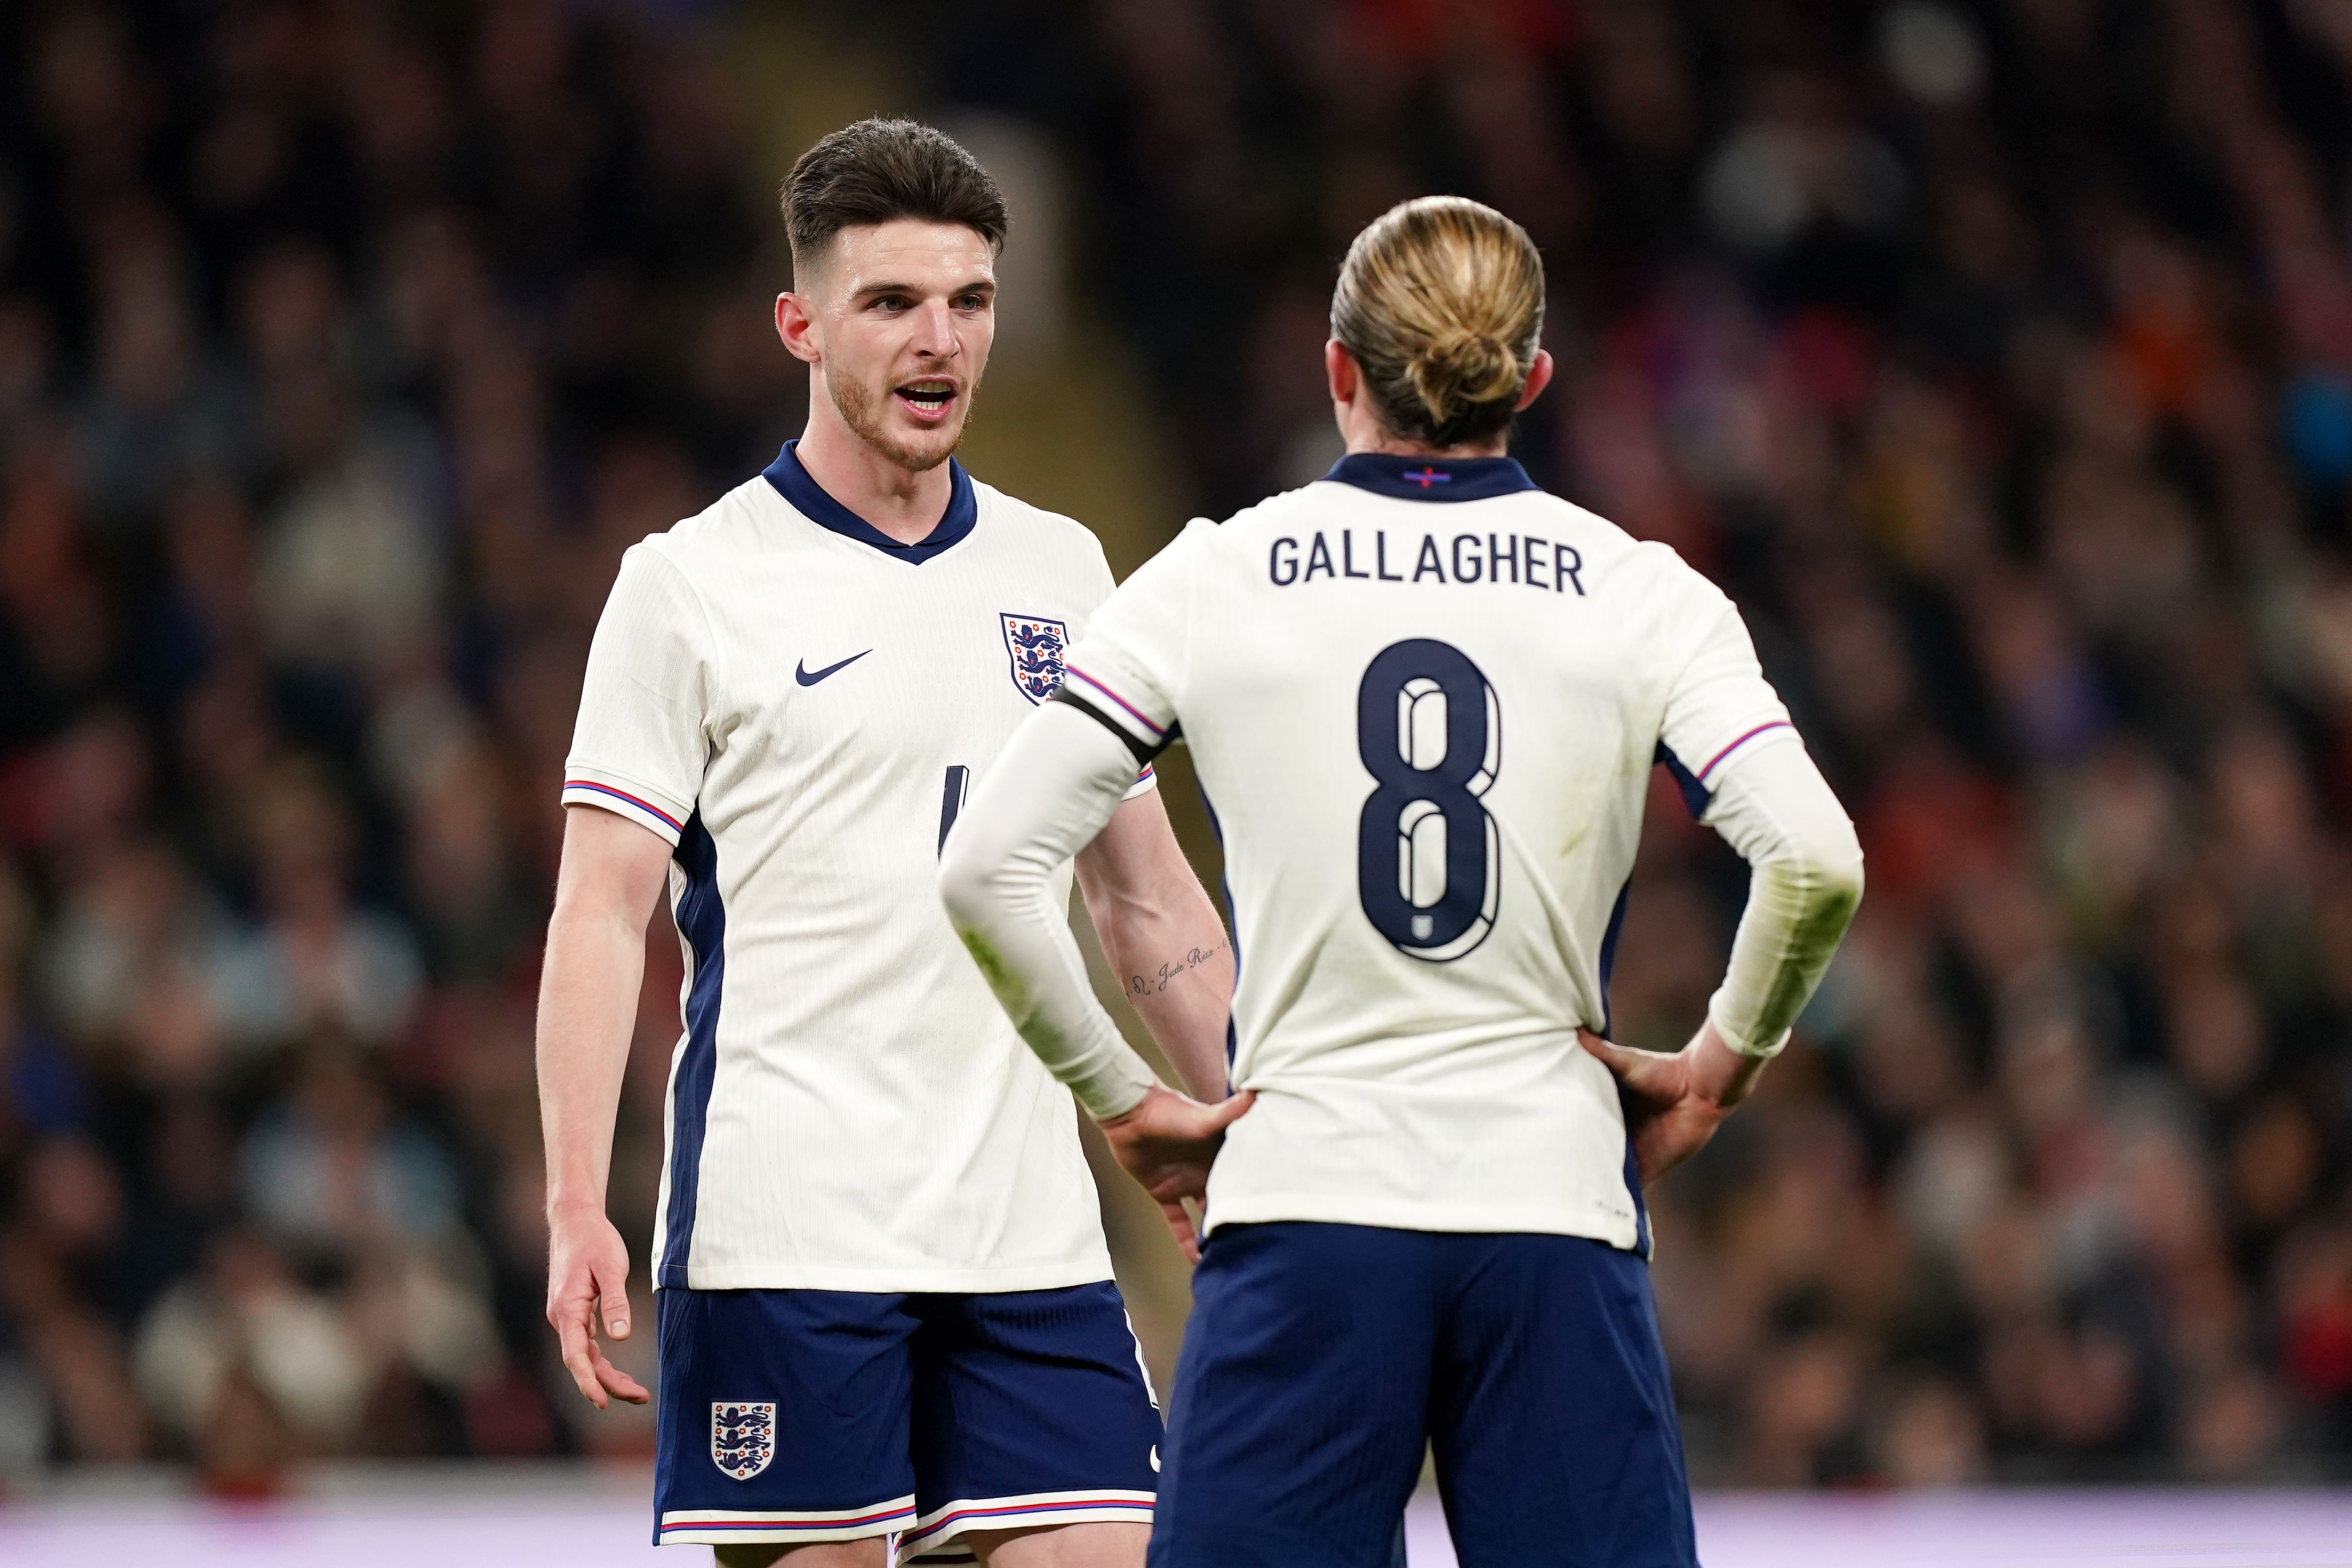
(927, 400)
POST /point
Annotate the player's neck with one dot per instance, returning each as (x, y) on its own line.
(1361, 430)
(1397, 446)
(905, 505)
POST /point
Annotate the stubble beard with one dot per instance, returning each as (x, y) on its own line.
(857, 409)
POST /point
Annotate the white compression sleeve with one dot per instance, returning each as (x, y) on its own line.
(1805, 880)
(1049, 794)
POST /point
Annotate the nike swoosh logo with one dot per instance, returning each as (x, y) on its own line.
(808, 677)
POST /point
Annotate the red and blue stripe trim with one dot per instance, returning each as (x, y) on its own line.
(1759, 729)
(645, 806)
(1696, 794)
(1157, 731)
(1086, 1506)
(906, 1512)
(927, 1537)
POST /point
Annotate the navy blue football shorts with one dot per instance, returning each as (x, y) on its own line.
(800, 1416)
(1319, 1358)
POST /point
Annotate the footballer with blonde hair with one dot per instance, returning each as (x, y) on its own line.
(1426, 697)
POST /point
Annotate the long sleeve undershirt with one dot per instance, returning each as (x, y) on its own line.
(1804, 882)
(1049, 794)
(1062, 775)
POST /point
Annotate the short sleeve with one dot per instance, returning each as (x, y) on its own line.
(1720, 706)
(1129, 668)
(1145, 781)
(642, 740)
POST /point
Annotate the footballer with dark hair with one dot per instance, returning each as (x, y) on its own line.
(886, 1320)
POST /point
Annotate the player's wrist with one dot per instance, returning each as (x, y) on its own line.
(1123, 1118)
(574, 1205)
(1720, 1073)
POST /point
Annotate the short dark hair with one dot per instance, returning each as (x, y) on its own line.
(878, 170)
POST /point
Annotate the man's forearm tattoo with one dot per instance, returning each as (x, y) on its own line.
(1152, 985)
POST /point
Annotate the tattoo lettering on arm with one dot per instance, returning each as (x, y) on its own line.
(1152, 985)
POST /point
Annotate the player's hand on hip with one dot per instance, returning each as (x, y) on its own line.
(588, 1278)
(1673, 1103)
(1167, 1143)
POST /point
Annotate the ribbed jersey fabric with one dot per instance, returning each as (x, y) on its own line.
(1426, 699)
(799, 711)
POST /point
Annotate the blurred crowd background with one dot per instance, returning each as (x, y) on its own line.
(1996, 355)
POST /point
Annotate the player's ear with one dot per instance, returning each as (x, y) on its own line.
(796, 327)
(1340, 370)
(1538, 378)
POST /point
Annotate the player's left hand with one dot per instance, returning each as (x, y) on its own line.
(1673, 1103)
(1167, 1143)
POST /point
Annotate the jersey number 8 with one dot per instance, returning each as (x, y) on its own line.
(1428, 857)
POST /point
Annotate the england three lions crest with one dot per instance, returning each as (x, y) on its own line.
(742, 1438)
(1036, 645)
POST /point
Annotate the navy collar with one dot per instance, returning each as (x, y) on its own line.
(1432, 479)
(808, 497)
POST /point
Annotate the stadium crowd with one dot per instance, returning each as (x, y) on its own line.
(1997, 357)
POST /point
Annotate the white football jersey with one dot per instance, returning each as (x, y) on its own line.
(1425, 700)
(800, 704)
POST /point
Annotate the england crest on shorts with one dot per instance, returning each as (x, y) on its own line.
(742, 1438)
(1036, 645)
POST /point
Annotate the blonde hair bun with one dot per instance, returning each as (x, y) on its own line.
(1460, 369)
(1441, 301)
